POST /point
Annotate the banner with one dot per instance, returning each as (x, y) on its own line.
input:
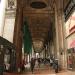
(27, 38)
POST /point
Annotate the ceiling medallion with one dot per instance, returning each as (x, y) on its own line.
(38, 5)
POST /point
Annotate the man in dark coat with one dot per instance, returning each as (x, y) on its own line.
(32, 64)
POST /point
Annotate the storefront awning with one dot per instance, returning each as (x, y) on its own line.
(6, 43)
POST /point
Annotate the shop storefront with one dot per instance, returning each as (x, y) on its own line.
(70, 34)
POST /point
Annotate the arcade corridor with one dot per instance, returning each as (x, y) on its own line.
(37, 37)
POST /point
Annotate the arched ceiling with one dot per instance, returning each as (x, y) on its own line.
(39, 18)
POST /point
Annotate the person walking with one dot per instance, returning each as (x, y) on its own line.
(32, 63)
(56, 66)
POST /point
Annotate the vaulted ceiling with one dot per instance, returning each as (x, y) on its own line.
(40, 15)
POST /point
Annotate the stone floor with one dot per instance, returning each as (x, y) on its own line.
(49, 71)
(52, 73)
(44, 71)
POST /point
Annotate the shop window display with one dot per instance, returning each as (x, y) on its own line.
(7, 56)
(71, 59)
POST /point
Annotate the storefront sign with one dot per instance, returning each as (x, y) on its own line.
(69, 8)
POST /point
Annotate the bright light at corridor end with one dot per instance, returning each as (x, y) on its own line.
(2, 14)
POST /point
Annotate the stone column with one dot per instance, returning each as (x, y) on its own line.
(59, 32)
(18, 34)
(48, 49)
(55, 47)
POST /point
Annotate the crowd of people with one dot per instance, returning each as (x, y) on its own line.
(35, 62)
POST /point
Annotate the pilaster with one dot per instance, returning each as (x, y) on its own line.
(59, 22)
(18, 34)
